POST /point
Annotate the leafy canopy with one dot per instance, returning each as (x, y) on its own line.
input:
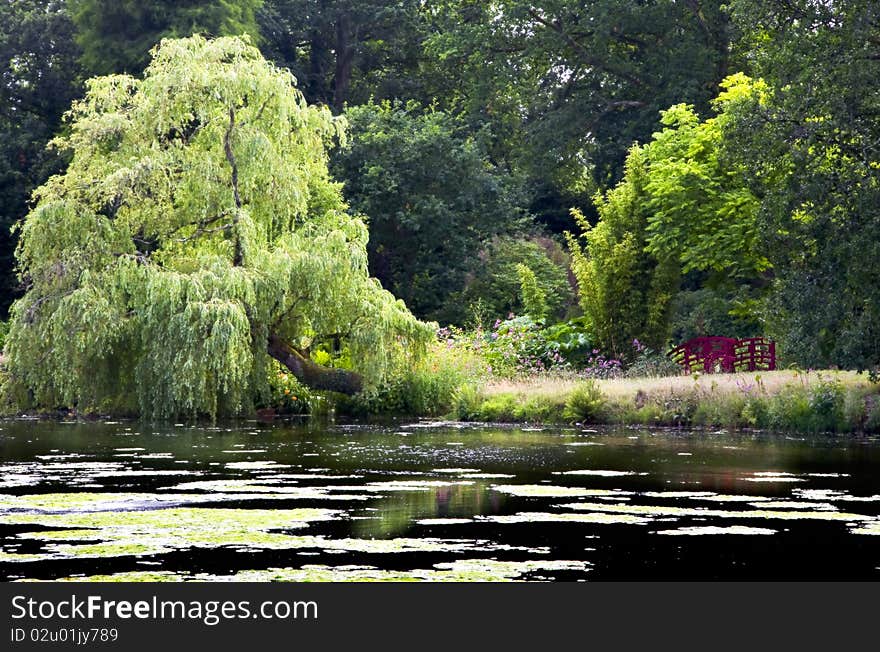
(117, 35)
(701, 209)
(433, 198)
(38, 79)
(625, 289)
(196, 221)
(347, 51)
(682, 207)
(810, 151)
(572, 83)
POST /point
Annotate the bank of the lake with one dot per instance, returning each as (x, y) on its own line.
(811, 401)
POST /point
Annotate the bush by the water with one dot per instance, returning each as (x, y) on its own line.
(430, 388)
(585, 403)
(289, 396)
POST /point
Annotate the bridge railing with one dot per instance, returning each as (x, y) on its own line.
(725, 355)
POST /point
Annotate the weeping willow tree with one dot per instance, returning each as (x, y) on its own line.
(195, 236)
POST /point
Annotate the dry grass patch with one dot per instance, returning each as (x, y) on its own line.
(626, 389)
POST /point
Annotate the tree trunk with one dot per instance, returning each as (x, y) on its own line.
(310, 373)
(344, 61)
(316, 81)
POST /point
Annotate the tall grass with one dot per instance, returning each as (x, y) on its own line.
(829, 401)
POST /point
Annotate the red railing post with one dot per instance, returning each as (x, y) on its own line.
(731, 355)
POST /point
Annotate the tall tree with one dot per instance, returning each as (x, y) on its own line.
(116, 35)
(39, 77)
(195, 234)
(568, 86)
(347, 51)
(811, 146)
(625, 290)
(682, 206)
(701, 209)
(432, 197)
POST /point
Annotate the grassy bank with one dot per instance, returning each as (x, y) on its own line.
(825, 401)
(458, 384)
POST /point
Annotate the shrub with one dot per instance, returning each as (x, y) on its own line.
(534, 298)
(517, 346)
(585, 403)
(872, 404)
(500, 407)
(806, 407)
(539, 409)
(826, 400)
(429, 389)
(288, 395)
(466, 403)
(856, 408)
(495, 282)
(571, 339)
(720, 411)
(754, 412)
(649, 363)
(790, 410)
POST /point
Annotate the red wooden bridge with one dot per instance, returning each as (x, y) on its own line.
(725, 355)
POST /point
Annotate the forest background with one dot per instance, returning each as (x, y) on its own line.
(560, 185)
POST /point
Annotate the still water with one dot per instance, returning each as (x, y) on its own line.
(433, 502)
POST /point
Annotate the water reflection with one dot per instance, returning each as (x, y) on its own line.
(447, 504)
(258, 501)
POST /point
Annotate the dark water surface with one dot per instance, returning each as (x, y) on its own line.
(415, 501)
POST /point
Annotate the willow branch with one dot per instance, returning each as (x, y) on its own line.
(238, 257)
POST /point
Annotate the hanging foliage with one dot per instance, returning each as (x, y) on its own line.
(196, 233)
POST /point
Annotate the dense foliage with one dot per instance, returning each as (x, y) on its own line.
(116, 36)
(682, 208)
(811, 151)
(566, 83)
(347, 51)
(700, 208)
(405, 169)
(493, 287)
(38, 73)
(195, 232)
(715, 162)
(625, 288)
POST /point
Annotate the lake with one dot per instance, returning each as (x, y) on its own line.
(259, 501)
